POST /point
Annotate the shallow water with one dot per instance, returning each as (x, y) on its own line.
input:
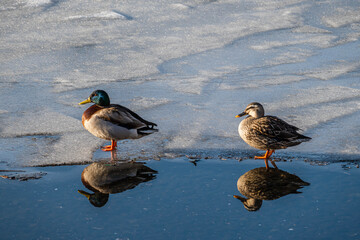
(183, 201)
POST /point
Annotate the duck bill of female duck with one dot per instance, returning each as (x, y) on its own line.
(85, 101)
(237, 116)
(250, 204)
(87, 195)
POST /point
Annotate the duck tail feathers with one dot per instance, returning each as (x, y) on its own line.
(304, 138)
(146, 131)
(300, 138)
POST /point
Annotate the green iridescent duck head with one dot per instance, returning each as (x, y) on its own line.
(99, 97)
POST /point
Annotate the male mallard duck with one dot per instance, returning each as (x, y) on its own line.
(105, 178)
(267, 132)
(113, 122)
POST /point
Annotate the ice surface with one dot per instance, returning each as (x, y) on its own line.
(104, 15)
(188, 66)
(333, 71)
(37, 3)
(140, 103)
(342, 17)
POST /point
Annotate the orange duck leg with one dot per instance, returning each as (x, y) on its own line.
(266, 157)
(110, 147)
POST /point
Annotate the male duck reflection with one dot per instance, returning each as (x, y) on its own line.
(266, 184)
(104, 178)
(113, 122)
(267, 132)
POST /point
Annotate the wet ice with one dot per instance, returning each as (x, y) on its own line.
(190, 67)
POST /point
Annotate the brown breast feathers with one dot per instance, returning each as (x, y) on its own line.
(89, 112)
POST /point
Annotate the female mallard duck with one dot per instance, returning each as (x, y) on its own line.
(266, 184)
(267, 132)
(113, 122)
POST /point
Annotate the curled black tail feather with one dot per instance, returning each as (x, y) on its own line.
(147, 130)
(151, 125)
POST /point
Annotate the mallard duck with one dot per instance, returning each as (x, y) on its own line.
(266, 184)
(267, 132)
(104, 178)
(113, 122)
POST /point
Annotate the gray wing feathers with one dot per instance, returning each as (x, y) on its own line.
(121, 117)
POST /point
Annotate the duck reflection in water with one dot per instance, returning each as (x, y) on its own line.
(104, 178)
(266, 184)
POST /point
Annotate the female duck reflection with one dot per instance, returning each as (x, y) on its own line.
(104, 178)
(266, 184)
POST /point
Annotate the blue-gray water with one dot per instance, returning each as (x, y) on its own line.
(184, 201)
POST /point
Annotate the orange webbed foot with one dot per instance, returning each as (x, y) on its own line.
(110, 147)
(107, 148)
(266, 157)
(261, 157)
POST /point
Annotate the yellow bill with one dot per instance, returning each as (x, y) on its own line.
(86, 101)
(241, 114)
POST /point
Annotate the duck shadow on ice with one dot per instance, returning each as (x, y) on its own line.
(266, 184)
(105, 178)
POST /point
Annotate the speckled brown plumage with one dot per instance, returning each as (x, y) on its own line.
(267, 132)
(266, 184)
(270, 132)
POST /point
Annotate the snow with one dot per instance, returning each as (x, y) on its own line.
(188, 66)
